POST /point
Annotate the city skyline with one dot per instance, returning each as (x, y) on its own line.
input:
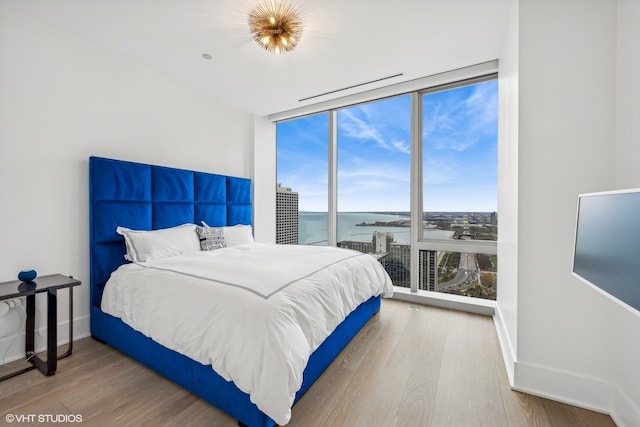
(377, 234)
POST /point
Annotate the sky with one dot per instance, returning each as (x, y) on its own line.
(459, 141)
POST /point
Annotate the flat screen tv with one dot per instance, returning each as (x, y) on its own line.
(607, 244)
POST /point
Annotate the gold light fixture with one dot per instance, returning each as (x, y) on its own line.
(275, 26)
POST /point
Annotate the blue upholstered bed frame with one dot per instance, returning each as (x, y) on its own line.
(147, 197)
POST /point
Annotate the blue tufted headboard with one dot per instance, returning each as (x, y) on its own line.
(148, 197)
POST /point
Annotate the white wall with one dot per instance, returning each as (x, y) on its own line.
(625, 324)
(572, 344)
(506, 312)
(62, 101)
(264, 202)
(628, 95)
(566, 147)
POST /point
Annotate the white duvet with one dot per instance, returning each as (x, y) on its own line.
(254, 312)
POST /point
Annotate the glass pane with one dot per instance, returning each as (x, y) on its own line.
(374, 178)
(460, 162)
(458, 273)
(302, 174)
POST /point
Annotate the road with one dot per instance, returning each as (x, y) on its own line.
(466, 275)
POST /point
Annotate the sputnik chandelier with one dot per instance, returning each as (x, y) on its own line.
(275, 26)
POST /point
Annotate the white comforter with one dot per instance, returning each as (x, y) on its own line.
(254, 312)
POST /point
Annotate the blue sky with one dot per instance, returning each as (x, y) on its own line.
(459, 153)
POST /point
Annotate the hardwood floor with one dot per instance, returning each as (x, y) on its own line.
(426, 367)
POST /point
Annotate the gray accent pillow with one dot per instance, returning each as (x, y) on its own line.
(211, 238)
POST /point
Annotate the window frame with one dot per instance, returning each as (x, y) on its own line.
(418, 241)
(416, 89)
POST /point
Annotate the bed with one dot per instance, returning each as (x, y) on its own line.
(148, 197)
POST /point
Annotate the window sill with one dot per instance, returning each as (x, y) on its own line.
(442, 300)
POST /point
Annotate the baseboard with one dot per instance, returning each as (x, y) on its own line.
(625, 413)
(574, 389)
(12, 347)
(81, 328)
(583, 391)
(508, 352)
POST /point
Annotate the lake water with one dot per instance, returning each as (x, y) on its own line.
(313, 227)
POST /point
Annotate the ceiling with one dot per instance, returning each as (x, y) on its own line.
(345, 43)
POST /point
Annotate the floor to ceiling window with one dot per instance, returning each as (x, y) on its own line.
(302, 173)
(365, 165)
(459, 188)
(374, 182)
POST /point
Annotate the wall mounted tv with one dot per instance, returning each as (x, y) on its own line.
(607, 244)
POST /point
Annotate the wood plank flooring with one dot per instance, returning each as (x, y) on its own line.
(414, 368)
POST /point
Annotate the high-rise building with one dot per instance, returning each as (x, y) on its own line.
(428, 270)
(396, 259)
(382, 241)
(286, 216)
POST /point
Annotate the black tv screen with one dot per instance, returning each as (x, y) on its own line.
(607, 244)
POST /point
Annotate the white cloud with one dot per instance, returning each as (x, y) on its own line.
(371, 128)
(402, 146)
(458, 124)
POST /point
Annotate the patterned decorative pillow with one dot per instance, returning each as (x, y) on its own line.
(211, 238)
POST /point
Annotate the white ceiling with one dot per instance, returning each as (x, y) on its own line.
(344, 43)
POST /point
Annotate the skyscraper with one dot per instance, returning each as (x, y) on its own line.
(286, 216)
(395, 257)
(428, 270)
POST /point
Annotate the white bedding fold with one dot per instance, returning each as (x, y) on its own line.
(255, 312)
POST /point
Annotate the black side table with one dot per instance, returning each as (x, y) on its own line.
(50, 285)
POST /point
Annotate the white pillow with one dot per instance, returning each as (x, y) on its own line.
(237, 234)
(149, 245)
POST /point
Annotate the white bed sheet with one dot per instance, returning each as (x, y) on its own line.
(254, 312)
